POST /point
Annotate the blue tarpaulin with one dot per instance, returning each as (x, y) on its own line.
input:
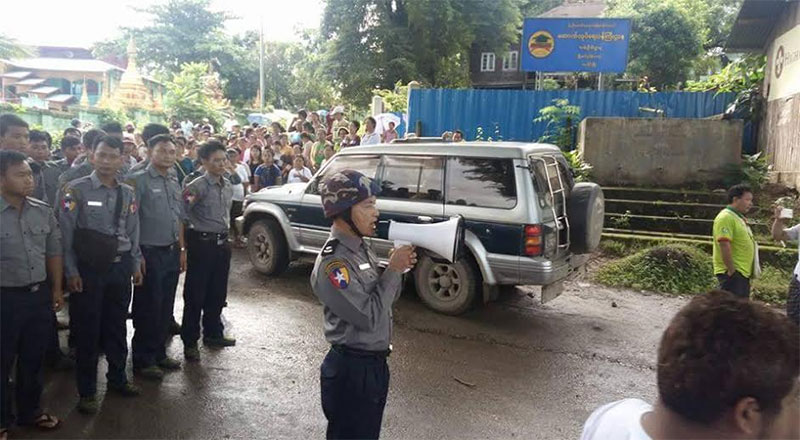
(511, 112)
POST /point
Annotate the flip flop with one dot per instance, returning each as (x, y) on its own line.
(46, 422)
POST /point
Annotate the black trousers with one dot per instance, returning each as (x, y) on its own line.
(793, 300)
(736, 284)
(205, 289)
(99, 315)
(153, 302)
(24, 326)
(354, 390)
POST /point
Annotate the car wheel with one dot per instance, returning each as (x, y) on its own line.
(449, 288)
(266, 247)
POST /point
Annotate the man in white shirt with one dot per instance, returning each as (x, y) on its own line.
(727, 369)
(370, 137)
(239, 192)
(780, 233)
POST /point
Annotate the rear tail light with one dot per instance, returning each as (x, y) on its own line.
(533, 240)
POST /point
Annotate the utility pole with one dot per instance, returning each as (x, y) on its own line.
(261, 64)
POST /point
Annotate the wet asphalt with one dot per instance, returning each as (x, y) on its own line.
(511, 369)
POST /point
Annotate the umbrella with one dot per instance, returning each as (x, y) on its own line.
(382, 121)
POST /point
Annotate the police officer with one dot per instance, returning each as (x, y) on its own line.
(357, 301)
(207, 202)
(161, 241)
(82, 166)
(93, 208)
(148, 132)
(30, 251)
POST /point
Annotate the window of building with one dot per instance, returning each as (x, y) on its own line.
(487, 62)
(488, 183)
(413, 178)
(511, 60)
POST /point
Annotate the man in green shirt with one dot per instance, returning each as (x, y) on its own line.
(735, 249)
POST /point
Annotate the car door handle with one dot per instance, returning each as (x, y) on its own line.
(424, 219)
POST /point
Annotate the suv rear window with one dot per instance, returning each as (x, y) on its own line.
(487, 183)
(412, 178)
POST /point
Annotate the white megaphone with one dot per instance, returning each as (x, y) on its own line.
(444, 238)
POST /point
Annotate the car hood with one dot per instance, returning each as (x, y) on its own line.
(286, 192)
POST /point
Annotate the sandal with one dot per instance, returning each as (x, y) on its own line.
(46, 422)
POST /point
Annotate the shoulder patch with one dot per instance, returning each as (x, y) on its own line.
(329, 248)
(337, 273)
(68, 201)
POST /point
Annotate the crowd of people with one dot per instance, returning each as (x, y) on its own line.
(117, 214)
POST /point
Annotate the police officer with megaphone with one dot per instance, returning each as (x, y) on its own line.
(357, 299)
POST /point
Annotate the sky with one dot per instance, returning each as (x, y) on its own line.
(79, 23)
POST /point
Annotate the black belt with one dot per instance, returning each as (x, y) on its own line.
(355, 352)
(169, 247)
(209, 235)
(30, 288)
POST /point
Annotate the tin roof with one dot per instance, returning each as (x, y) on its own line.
(31, 82)
(16, 75)
(44, 90)
(63, 65)
(61, 99)
(588, 9)
(753, 25)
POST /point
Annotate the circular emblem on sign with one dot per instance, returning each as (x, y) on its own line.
(541, 44)
(779, 60)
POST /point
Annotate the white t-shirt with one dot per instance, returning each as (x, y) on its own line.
(243, 171)
(294, 175)
(620, 420)
(794, 235)
(371, 139)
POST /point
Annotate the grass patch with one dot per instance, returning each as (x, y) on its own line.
(672, 268)
(681, 269)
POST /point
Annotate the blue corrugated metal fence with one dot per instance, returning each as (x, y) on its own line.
(511, 112)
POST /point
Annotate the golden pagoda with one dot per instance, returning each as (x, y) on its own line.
(131, 91)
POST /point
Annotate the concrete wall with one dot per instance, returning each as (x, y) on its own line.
(643, 151)
(779, 135)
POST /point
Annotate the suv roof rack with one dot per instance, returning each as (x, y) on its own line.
(421, 140)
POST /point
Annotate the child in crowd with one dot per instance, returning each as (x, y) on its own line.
(267, 174)
(299, 172)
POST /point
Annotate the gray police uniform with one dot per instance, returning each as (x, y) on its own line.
(76, 172)
(139, 166)
(357, 299)
(207, 202)
(102, 307)
(160, 217)
(357, 303)
(27, 239)
(45, 178)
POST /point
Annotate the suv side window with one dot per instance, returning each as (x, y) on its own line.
(366, 165)
(413, 178)
(487, 183)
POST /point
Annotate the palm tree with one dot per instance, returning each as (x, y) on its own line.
(9, 48)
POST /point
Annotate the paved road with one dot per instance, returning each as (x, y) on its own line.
(512, 369)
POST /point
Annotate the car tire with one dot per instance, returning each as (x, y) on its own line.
(586, 212)
(448, 288)
(267, 248)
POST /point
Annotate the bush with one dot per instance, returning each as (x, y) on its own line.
(672, 268)
(772, 286)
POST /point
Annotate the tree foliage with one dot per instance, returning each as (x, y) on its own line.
(664, 40)
(194, 93)
(376, 43)
(673, 40)
(741, 75)
(9, 49)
